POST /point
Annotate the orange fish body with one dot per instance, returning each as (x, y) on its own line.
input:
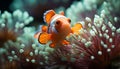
(57, 30)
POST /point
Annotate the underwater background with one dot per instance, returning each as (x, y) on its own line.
(96, 47)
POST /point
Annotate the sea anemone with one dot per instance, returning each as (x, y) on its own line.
(98, 43)
(85, 8)
(113, 16)
(11, 25)
(25, 52)
(95, 47)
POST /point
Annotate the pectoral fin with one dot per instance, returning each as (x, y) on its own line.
(44, 38)
(65, 42)
(76, 28)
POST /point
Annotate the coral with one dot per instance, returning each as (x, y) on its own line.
(36, 8)
(22, 4)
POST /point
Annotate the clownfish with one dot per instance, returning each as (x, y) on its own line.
(57, 30)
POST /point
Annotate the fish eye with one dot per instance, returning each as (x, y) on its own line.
(58, 22)
(69, 20)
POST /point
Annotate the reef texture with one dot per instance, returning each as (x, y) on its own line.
(96, 47)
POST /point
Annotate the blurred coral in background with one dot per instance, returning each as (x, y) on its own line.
(36, 8)
(96, 47)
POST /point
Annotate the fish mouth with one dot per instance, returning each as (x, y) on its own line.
(66, 29)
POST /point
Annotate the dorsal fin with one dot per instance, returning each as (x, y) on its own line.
(61, 12)
(48, 15)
